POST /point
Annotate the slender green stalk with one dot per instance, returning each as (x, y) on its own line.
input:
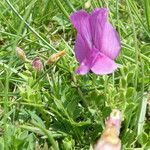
(100, 3)
(68, 2)
(142, 113)
(6, 99)
(23, 37)
(135, 41)
(37, 131)
(11, 69)
(117, 14)
(59, 4)
(134, 10)
(129, 58)
(133, 50)
(147, 12)
(80, 92)
(41, 77)
(49, 135)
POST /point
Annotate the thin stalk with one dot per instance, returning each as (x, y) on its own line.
(41, 77)
(12, 69)
(68, 2)
(133, 50)
(94, 4)
(80, 92)
(117, 14)
(37, 131)
(20, 31)
(147, 12)
(59, 4)
(48, 134)
(135, 40)
(138, 17)
(23, 37)
(141, 114)
(6, 99)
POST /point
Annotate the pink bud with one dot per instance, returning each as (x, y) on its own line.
(115, 119)
(37, 64)
(110, 137)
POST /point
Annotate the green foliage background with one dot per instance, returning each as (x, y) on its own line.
(57, 109)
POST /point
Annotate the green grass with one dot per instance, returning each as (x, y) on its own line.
(57, 109)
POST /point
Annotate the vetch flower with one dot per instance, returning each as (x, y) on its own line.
(97, 44)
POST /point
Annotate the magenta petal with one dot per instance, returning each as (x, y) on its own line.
(80, 20)
(98, 19)
(105, 37)
(81, 48)
(110, 43)
(83, 68)
(97, 43)
(103, 65)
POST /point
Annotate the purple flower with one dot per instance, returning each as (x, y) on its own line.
(97, 43)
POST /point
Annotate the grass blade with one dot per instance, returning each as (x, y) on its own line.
(142, 114)
(147, 12)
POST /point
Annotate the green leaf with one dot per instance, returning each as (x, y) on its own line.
(143, 138)
(142, 113)
(147, 12)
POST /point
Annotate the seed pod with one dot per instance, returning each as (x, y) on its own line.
(21, 54)
(55, 57)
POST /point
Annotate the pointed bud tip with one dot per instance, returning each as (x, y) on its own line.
(115, 120)
(116, 114)
(20, 53)
(55, 57)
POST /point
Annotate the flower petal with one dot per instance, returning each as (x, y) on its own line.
(83, 68)
(80, 20)
(110, 43)
(81, 48)
(98, 19)
(103, 65)
(105, 37)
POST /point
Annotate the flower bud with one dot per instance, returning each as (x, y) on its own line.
(110, 136)
(37, 64)
(55, 57)
(21, 54)
(115, 120)
(87, 4)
